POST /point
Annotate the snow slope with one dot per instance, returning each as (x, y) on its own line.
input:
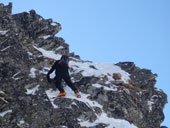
(87, 69)
(103, 118)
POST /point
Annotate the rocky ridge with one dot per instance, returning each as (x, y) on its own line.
(28, 48)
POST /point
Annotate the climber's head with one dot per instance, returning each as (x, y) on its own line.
(64, 59)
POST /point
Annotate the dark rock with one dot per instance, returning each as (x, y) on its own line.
(163, 127)
(142, 78)
(93, 67)
(79, 109)
(127, 66)
(34, 25)
(5, 10)
(117, 76)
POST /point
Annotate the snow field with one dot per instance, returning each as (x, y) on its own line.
(87, 69)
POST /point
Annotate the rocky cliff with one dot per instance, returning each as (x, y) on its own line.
(113, 95)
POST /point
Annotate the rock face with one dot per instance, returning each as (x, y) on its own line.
(28, 46)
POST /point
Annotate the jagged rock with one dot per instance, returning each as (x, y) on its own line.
(163, 127)
(75, 56)
(5, 10)
(142, 78)
(35, 26)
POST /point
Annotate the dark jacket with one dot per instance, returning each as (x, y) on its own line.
(60, 69)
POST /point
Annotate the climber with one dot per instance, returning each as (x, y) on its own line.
(61, 71)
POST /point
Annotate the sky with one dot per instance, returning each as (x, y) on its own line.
(113, 31)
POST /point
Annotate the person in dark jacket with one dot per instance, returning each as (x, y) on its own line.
(61, 71)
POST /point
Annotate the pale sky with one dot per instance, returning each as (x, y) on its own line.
(113, 31)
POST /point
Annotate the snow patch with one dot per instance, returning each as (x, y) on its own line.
(86, 69)
(2, 92)
(14, 76)
(151, 102)
(45, 37)
(2, 114)
(40, 19)
(29, 53)
(70, 94)
(4, 100)
(112, 123)
(33, 90)
(48, 54)
(21, 122)
(118, 123)
(59, 48)
(63, 126)
(5, 49)
(3, 32)
(52, 95)
(157, 89)
(45, 71)
(32, 73)
(99, 70)
(54, 24)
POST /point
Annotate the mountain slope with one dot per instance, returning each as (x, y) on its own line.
(113, 95)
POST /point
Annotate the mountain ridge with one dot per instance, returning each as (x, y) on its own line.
(122, 94)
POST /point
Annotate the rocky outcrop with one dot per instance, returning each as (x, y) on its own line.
(5, 10)
(144, 79)
(28, 48)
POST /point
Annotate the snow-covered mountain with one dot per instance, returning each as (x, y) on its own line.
(112, 95)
